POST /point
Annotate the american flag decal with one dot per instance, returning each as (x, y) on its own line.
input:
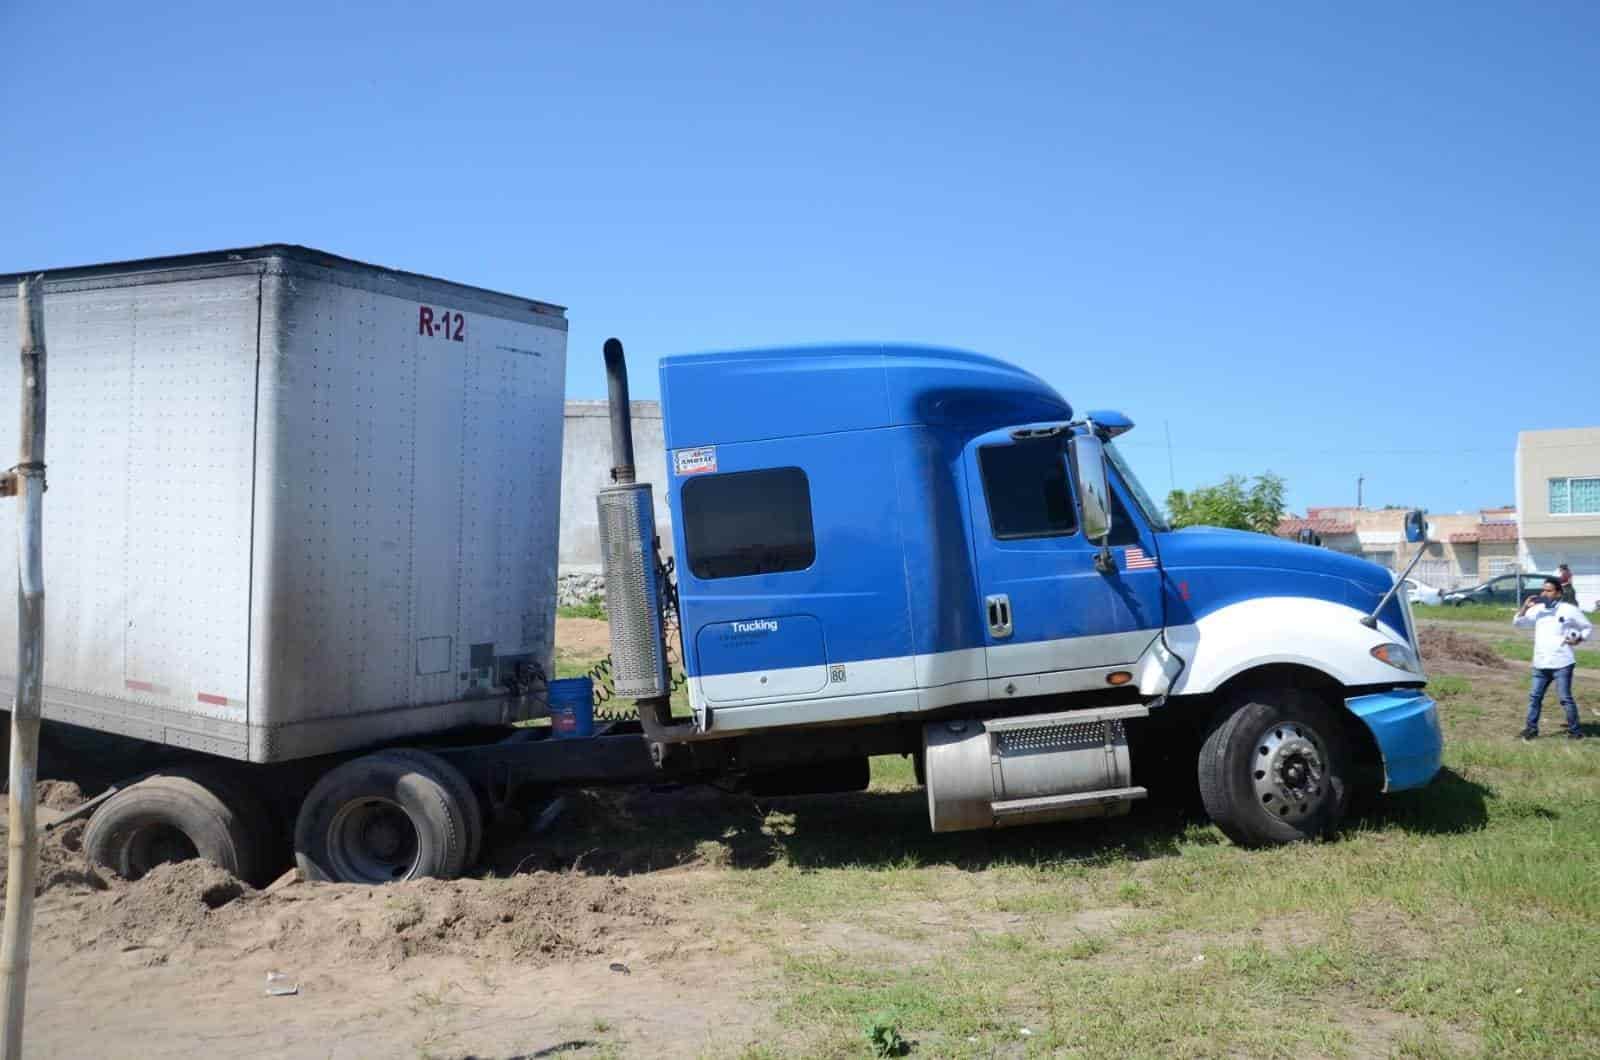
(1133, 558)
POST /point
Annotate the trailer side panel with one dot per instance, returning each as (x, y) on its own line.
(147, 518)
(297, 504)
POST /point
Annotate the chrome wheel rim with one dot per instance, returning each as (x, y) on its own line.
(1288, 771)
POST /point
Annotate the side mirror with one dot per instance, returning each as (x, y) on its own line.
(1416, 526)
(1416, 532)
(1094, 497)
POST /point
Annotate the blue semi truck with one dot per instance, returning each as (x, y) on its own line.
(927, 552)
(879, 551)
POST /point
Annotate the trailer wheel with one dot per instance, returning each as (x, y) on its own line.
(382, 818)
(1275, 770)
(174, 817)
(452, 778)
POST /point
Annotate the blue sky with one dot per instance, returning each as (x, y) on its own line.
(1326, 240)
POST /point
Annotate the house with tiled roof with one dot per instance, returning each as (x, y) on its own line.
(1463, 548)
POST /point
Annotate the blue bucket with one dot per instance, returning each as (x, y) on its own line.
(572, 707)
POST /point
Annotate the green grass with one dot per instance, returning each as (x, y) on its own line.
(1461, 919)
(1464, 613)
(1522, 651)
(594, 607)
(1448, 686)
(571, 666)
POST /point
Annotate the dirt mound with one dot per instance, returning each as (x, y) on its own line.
(537, 918)
(61, 862)
(58, 794)
(1448, 646)
(534, 919)
(170, 903)
(62, 865)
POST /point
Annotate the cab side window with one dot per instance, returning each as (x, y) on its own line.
(748, 522)
(1027, 489)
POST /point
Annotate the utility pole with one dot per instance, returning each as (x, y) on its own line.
(26, 483)
(1172, 476)
(1359, 480)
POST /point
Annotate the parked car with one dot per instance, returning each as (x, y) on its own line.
(1419, 593)
(1506, 589)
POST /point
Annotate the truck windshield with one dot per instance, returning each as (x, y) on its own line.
(1151, 510)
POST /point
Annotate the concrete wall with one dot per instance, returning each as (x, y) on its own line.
(586, 469)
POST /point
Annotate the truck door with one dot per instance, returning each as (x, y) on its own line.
(1055, 624)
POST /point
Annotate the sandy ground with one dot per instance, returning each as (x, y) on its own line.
(583, 638)
(537, 958)
(540, 963)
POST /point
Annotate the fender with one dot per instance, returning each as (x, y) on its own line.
(1318, 634)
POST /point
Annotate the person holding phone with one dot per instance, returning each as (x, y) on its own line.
(1557, 626)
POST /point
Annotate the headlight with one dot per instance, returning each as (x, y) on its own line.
(1399, 656)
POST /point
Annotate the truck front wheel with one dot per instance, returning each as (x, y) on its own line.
(1275, 769)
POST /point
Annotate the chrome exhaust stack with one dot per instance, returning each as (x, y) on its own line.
(628, 557)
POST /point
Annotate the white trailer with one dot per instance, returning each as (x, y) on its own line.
(297, 504)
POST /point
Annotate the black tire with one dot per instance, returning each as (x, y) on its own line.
(382, 818)
(451, 777)
(176, 816)
(1275, 769)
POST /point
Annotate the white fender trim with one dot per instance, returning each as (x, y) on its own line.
(1318, 634)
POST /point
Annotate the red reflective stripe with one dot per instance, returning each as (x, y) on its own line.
(215, 701)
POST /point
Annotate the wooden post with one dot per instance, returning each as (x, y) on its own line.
(26, 483)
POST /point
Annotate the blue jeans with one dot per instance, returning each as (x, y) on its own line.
(1541, 681)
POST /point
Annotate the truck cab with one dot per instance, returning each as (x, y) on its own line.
(931, 540)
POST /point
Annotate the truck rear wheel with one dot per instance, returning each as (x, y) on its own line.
(1275, 770)
(177, 816)
(382, 818)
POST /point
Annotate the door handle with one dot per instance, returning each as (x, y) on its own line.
(999, 609)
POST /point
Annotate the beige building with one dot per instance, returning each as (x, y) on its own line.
(1558, 503)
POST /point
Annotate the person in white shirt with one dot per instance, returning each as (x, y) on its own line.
(1556, 626)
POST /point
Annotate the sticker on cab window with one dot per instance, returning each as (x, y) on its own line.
(699, 461)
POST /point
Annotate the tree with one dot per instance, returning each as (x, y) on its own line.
(1231, 503)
